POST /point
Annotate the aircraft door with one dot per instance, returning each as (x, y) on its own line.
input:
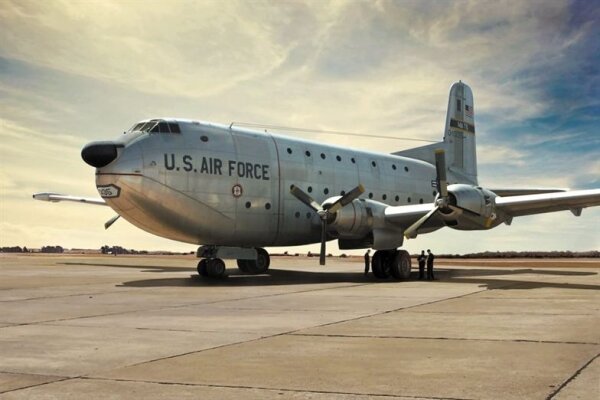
(256, 188)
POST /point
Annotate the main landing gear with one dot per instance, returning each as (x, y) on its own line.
(394, 263)
(249, 260)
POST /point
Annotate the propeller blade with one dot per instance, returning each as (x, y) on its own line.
(323, 241)
(346, 199)
(411, 231)
(305, 198)
(440, 169)
(111, 221)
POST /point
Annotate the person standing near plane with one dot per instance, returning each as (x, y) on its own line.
(367, 261)
(421, 259)
(430, 258)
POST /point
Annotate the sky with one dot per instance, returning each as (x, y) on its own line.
(76, 71)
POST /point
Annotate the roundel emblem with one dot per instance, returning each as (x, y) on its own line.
(237, 190)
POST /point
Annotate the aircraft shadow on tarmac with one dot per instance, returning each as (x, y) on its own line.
(488, 278)
(144, 268)
(485, 277)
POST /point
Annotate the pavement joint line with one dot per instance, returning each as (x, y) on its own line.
(152, 329)
(288, 332)
(32, 373)
(444, 338)
(66, 295)
(572, 377)
(38, 384)
(281, 309)
(274, 389)
(278, 334)
(391, 311)
(180, 306)
(498, 313)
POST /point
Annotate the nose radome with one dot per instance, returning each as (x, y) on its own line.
(100, 154)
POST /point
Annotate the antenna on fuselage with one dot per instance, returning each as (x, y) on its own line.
(326, 132)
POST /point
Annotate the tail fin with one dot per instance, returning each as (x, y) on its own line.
(459, 138)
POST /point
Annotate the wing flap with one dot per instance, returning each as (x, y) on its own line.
(516, 206)
(55, 197)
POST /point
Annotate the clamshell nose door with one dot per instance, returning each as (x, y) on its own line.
(100, 154)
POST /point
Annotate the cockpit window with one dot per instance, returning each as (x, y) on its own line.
(174, 127)
(148, 126)
(163, 127)
(136, 127)
(156, 126)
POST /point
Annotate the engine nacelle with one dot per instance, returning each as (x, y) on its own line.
(362, 224)
(353, 221)
(477, 205)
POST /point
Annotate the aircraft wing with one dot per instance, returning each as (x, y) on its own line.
(509, 206)
(516, 206)
(405, 216)
(55, 197)
(505, 192)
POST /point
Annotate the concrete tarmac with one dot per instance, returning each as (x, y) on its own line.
(137, 327)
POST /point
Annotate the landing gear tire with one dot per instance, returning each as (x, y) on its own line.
(211, 268)
(381, 264)
(202, 267)
(401, 265)
(216, 268)
(243, 265)
(260, 265)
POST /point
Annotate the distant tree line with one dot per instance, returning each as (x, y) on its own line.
(52, 249)
(24, 249)
(120, 250)
(14, 249)
(526, 254)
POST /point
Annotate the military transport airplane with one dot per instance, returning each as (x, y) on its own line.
(235, 190)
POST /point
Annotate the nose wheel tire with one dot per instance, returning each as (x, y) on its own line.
(202, 271)
(243, 265)
(211, 268)
(260, 265)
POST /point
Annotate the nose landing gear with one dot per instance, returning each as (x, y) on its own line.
(249, 260)
(211, 268)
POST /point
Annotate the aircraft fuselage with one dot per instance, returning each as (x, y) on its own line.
(215, 184)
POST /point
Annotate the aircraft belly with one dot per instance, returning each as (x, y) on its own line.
(143, 202)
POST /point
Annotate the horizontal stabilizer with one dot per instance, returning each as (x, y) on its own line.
(55, 197)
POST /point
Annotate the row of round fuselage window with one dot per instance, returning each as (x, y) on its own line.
(339, 159)
(326, 191)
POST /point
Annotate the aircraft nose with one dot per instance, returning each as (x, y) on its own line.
(100, 154)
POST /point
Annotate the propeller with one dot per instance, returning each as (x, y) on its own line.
(441, 201)
(111, 221)
(325, 213)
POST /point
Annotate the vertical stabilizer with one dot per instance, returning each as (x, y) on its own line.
(459, 138)
(459, 134)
